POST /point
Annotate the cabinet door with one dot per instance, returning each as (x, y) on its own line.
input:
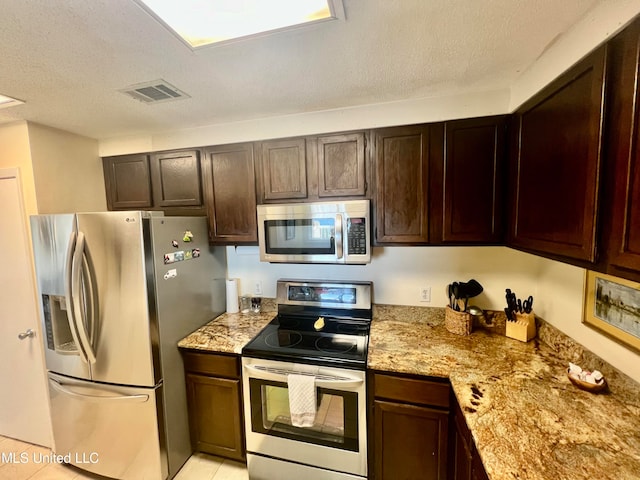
(214, 415)
(557, 164)
(401, 159)
(284, 169)
(127, 182)
(477, 468)
(341, 165)
(474, 163)
(460, 449)
(230, 196)
(176, 181)
(624, 205)
(410, 442)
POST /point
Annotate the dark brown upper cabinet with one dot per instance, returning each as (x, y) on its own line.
(556, 164)
(621, 212)
(314, 168)
(401, 156)
(283, 169)
(127, 182)
(341, 165)
(467, 181)
(175, 179)
(230, 193)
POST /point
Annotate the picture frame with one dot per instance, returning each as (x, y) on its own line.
(612, 306)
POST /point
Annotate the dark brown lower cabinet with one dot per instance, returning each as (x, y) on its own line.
(410, 419)
(214, 396)
(464, 461)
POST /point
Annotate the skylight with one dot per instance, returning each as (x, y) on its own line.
(203, 22)
(9, 102)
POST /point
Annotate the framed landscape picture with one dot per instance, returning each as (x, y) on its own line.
(612, 306)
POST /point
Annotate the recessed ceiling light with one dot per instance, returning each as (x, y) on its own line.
(9, 102)
(202, 23)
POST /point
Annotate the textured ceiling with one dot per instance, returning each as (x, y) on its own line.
(68, 60)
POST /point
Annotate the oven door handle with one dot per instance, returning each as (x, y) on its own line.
(280, 374)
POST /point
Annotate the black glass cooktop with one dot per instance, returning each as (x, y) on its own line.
(319, 340)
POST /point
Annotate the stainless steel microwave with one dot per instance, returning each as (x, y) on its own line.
(318, 232)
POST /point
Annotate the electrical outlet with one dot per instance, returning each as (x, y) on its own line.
(257, 287)
(425, 294)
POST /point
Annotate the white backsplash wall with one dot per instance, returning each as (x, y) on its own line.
(561, 288)
(398, 273)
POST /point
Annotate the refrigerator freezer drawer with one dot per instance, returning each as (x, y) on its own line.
(108, 430)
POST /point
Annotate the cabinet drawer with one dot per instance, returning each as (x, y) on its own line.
(411, 390)
(212, 364)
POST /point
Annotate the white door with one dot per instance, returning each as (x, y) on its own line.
(24, 407)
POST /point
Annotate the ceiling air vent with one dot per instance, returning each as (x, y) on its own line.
(155, 92)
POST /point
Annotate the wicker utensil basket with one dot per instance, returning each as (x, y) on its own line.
(460, 323)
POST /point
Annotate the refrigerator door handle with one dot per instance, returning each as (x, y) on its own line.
(69, 294)
(77, 296)
(64, 389)
(92, 297)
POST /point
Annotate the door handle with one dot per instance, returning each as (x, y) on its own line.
(29, 333)
(77, 298)
(338, 239)
(64, 388)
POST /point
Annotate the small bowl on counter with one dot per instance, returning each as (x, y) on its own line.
(599, 386)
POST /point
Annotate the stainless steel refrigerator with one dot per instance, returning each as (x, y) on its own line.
(118, 290)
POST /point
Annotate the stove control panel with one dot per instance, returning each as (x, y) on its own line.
(334, 294)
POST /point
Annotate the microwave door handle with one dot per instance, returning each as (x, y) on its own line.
(338, 238)
(76, 295)
(68, 296)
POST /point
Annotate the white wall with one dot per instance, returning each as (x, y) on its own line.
(599, 24)
(15, 153)
(67, 171)
(404, 112)
(398, 273)
(561, 286)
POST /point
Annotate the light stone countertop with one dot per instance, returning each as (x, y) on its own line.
(227, 333)
(527, 420)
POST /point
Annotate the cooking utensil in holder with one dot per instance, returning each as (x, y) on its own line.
(523, 328)
(460, 323)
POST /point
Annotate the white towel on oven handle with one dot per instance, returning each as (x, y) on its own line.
(302, 399)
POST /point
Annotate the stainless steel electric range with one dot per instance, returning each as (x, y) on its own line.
(320, 339)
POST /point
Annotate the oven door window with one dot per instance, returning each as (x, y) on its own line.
(336, 422)
(315, 236)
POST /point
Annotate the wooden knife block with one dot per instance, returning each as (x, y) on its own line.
(524, 328)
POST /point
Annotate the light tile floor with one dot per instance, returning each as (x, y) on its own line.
(198, 467)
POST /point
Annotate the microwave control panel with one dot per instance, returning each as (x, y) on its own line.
(357, 236)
